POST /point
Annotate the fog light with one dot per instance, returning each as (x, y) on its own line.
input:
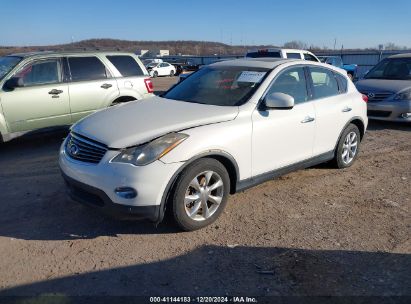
(406, 115)
(126, 192)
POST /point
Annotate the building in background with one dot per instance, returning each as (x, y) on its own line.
(152, 53)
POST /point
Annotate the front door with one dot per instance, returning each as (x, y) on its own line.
(42, 101)
(283, 137)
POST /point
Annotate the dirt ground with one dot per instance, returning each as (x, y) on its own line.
(318, 231)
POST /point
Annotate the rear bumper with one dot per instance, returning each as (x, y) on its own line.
(389, 110)
(98, 199)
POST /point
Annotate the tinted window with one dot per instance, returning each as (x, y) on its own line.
(291, 82)
(294, 55)
(394, 68)
(86, 68)
(342, 82)
(40, 72)
(126, 65)
(221, 85)
(7, 63)
(263, 53)
(310, 57)
(324, 81)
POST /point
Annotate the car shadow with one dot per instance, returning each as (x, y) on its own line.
(34, 204)
(375, 125)
(244, 271)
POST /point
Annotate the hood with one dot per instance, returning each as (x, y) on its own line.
(137, 122)
(381, 85)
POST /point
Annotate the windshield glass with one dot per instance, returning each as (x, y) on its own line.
(152, 65)
(394, 68)
(7, 63)
(263, 53)
(220, 86)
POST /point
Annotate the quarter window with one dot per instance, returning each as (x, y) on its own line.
(41, 72)
(324, 82)
(86, 68)
(291, 82)
(294, 55)
(342, 83)
(310, 57)
(126, 65)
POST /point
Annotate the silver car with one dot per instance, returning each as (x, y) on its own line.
(388, 87)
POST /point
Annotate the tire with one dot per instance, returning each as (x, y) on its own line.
(172, 73)
(155, 74)
(343, 157)
(186, 190)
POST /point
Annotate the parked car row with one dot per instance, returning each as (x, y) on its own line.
(226, 127)
(45, 89)
(338, 62)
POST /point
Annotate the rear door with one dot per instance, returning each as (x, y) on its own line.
(42, 102)
(332, 107)
(91, 85)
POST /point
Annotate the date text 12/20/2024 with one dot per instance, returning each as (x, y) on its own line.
(203, 300)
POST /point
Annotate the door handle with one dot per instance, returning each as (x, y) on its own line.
(346, 109)
(55, 92)
(106, 86)
(307, 119)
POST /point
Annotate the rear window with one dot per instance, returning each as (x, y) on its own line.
(126, 65)
(86, 68)
(263, 53)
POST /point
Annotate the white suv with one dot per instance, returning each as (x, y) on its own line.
(282, 53)
(229, 126)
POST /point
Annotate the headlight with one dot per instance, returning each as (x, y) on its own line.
(404, 95)
(147, 153)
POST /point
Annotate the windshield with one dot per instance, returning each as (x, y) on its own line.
(220, 86)
(263, 53)
(394, 68)
(152, 65)
(7, 63)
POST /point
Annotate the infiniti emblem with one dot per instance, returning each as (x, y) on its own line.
(371, 95)
(74, 150)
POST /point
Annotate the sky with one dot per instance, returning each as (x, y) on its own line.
(354, 23)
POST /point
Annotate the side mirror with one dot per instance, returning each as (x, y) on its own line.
(279, 101)
(14, 82)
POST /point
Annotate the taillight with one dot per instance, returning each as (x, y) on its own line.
(149, 85)
(365, 98)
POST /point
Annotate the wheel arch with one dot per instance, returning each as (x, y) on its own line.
(123, 99)
(357, 121)
(223, 157)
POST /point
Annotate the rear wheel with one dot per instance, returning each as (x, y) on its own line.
(348, 147)
(200, 194)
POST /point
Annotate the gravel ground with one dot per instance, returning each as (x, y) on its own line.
(318, 231)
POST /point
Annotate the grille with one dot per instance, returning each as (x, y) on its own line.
(377, 96)
(84, 149)
(374, 113)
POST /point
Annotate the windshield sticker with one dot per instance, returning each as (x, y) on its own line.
(251, 76)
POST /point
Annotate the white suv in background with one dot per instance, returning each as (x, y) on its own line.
(229, 126)
(282, 53)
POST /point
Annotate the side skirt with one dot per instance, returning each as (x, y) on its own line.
(253, 181)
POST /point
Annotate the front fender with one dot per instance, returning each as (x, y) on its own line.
(3, 128)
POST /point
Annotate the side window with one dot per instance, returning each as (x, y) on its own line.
(86, 68)
(324, 82)
(294, 55)
(126, 65)
(41, 72)
(342, 83)
(291, 82)
(310, 57)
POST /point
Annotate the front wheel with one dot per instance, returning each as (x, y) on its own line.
(155, 74)
(172, 73)
(348, 147)
(200, 194)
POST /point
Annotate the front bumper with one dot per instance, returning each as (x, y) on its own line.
(389, 110)
(95, 184)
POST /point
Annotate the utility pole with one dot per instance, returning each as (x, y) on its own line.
(335, 43)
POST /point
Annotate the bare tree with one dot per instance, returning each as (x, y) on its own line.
(295, 44)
